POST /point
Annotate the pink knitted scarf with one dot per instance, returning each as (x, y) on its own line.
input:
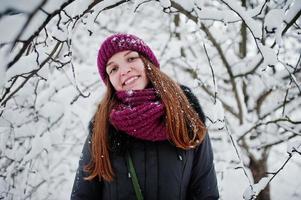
(140, 114)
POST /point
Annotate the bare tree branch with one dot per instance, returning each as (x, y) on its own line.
(221, 54)
(25, 25)
(289, 24)
(36, 33)
(266, 123)
(4, 101)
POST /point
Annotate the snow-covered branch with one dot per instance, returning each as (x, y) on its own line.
(241, 59)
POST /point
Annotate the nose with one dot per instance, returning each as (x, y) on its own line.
(125, 69)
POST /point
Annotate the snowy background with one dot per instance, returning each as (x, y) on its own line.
(240, 57)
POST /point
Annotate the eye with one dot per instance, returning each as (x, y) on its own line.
(132, 58)
(113, 69)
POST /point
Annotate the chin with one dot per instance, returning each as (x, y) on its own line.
(136, 87)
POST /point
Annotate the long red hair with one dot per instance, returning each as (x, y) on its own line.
(185, 128)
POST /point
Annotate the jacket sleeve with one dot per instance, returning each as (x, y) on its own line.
(203, 182)
(85, 189)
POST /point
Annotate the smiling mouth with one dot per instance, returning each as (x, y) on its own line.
(130, 80)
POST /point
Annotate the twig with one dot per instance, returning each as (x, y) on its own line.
(234, 144)
(267, 123)
(31, 75)
(212, 72)
(36, 33)
(218, 48)
(25, 25)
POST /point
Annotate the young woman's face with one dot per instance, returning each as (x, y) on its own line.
(126, 71)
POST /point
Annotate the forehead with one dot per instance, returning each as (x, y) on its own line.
(121, 54)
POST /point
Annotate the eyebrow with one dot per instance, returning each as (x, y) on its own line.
(127, 53)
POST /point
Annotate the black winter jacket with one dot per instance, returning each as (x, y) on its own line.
(164, 171)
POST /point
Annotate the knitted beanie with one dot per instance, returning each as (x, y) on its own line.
(120, 42)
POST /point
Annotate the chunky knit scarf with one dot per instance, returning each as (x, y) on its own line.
(140, 114)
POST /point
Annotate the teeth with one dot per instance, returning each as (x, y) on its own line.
(131, 80)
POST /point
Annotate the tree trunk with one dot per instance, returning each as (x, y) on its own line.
(176, 20)
(259, 169)
(243, 33)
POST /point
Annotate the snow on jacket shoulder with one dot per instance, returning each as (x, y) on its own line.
(164, 171)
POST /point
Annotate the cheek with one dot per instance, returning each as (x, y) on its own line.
(141, 68)
(145, 78)
(115, 82)
(144, 73)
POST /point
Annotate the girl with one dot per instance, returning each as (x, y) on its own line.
(148, 137)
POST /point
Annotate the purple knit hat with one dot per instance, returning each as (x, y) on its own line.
(120, 42)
